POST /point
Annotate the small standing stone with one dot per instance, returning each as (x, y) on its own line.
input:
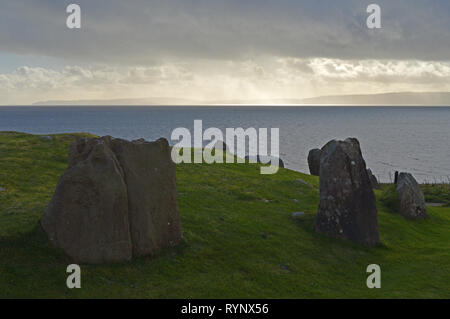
(396, 177)
(412, 200)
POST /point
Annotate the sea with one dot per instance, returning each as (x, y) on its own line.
(410, 139)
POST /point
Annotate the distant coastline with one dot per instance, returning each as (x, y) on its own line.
(384, 99)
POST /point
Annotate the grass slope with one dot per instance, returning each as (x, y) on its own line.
(236, 244)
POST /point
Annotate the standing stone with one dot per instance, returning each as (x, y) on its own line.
(347, 206)
(396, 177)
(373, 179)
(314, 161)
(115, 200)
(88, 215)
(150, 175)
(412, 200)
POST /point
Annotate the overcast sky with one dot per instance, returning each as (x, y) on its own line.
(220, 49)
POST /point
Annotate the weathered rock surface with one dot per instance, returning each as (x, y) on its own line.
(88, 215)
(116, 199)
(152, 199)
(314, 161)
(347, 206)
(412, 200)
(373, 179)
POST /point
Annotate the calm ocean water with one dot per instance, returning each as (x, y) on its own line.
(412, 139)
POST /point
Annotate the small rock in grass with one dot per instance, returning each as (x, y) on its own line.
(301, 181)
(47, 138)
(295, 200)
(298, 214)
(264, 235)
(285, 268)
(411, 197)
(2, 189)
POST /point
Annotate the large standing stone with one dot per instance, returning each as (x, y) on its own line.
(412, 200)
(314, 161)
(88, 215)
(347, 206)
(150, 175)
(116, 199)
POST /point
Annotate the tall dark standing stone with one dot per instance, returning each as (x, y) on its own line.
(116, 199)
(314, 161)
(412, 200)
(347, 206)
(396, 177)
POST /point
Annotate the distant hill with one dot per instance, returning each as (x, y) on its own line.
(125, 102)
(401, 98)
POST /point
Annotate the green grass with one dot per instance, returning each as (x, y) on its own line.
(389, 198)
(437, 193)
(224, 254)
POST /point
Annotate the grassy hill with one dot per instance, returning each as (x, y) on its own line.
(240, 239)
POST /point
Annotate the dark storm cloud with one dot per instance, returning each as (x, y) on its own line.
(138, 31)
